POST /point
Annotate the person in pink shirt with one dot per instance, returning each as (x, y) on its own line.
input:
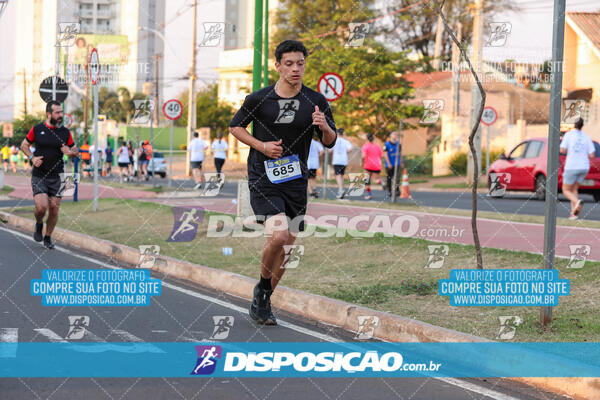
(371, 155)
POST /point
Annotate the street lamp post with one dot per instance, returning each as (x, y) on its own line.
(3, 4)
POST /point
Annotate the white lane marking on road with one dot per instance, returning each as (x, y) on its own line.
(89, 336)
(462, 384)
(50, 334)
(128, 337)
(9, 335)
(478, 389)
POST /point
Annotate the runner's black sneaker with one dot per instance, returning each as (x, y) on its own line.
(260, 310)
(37, 234)
(48, 243)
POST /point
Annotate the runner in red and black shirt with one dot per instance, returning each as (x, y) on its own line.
(51, 141)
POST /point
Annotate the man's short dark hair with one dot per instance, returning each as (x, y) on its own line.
(579, 123)
(341, 131)
(50, 104)
(289, 46)
(195, 134)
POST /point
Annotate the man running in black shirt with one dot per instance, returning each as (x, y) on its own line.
(286, 115)
(51, 140)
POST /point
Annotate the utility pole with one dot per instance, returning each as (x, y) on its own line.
(258, 33)
(558, 40)
(266, 47)
(156, 92)
(437, 53)
(24, 93)
(192, 95)
(456, 59)
(87, 95)
(475, 95)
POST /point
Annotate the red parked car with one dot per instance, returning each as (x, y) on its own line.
(526, 164)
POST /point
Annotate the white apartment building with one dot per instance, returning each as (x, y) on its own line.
(112, 26)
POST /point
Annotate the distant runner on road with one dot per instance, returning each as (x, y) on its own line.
(51, 140)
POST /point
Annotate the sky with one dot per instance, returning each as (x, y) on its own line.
(530, 40)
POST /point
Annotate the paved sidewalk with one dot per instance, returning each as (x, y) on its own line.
(499, 234)
(22, 185)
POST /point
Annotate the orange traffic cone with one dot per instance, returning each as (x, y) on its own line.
(405, 193)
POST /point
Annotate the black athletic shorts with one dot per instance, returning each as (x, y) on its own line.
(123, 165)
(196, 164)
(270, 200)
(312, 173)
(339, 169)
(49, 185)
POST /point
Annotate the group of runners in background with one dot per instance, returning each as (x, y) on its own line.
(372, 156)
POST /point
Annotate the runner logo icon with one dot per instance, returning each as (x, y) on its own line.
(207, 359)
(287, 111)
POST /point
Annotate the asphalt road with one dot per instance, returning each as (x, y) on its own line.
(512, 203)
(183, 313)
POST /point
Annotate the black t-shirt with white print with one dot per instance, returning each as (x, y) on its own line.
(289, 119)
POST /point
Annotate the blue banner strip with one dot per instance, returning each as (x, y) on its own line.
(319, 360)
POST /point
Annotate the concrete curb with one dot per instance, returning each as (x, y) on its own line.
(391, 327)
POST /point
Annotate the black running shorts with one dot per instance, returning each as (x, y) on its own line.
(269, 200)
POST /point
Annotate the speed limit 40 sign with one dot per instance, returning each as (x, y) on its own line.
(172, 109)
(489, 116)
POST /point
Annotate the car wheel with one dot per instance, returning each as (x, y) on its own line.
(540, 187)
(597, 196)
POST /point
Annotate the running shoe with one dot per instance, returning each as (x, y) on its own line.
(37, 235)
(260, 310)
(198, 186)
(48, 243)
(572, 216)
(578, 206)
(340, 195)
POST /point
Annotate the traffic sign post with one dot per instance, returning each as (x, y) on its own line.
(54, 88)
(331, 85)
(172, 110)
(7, 130)
(94, 68)
(488, 118)
(67, 121)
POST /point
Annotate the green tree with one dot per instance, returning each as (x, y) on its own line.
(22, 126)
(375, 92)
(116, 105)
(415, 29)
(309, 19)
(209, 111)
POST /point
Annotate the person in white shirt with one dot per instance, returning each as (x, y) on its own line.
(340, 152)
(96, 154)
(123, 158)
(219, 148)
(197, 147)
(580, 149)
(316, 150)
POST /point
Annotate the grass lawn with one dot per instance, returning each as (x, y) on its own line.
(386, 274)
(6, 189)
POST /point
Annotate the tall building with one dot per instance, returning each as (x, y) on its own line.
(126, 53)
(237, 58)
